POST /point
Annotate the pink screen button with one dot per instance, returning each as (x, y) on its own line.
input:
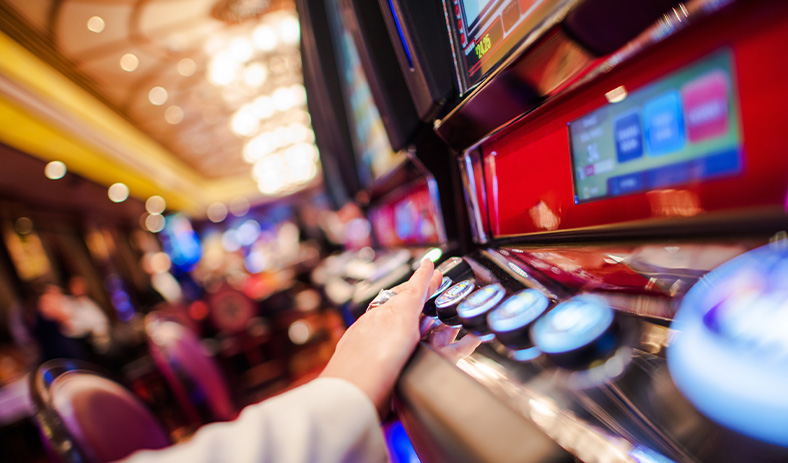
(706, 106)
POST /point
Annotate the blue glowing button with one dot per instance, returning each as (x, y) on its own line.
(473, 310)
(446, 304)
(429, 306)
(577, 332)
(512, 320)
(729, 354)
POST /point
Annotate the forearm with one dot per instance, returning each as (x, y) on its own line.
(326, 420)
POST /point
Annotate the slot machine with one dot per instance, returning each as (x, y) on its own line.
(621, 296)
(372, 142)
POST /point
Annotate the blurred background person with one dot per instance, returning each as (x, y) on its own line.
(85, 319)
(51, 324)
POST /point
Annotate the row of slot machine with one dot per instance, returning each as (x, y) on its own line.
(603, 185)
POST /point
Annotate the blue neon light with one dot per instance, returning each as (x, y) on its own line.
(401, 34)
(730, 355)
(400, 447)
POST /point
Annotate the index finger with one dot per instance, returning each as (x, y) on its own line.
(419, 282)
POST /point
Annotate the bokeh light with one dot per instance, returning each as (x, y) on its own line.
(299, 332)
(155, 205)
(158, 96)
(173, 115)
(217, 212)
(55, 170)
(289, 30)
(155, 223)
(248, 232)
(96, 24)
(118, 192)
(239, 207)
(129, 62)
(187, 67)
(264, 37)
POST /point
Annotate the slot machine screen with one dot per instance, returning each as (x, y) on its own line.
(368, 134)
(406, 217)
(680, 130)
(486, 31)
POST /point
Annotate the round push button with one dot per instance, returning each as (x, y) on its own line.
(429, 306)
(512, 320)
(473, 310)
(446, 304)
(577, 332)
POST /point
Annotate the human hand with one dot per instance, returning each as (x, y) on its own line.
(374, 349)
(444, 339)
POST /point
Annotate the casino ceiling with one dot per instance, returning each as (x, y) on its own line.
(199, 101)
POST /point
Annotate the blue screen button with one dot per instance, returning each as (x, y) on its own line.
(664, 124)
(629, 137)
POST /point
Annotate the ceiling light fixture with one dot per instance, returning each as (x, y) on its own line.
(158, 96)
(173, 115)
(96, 24)
(55, 170)
(129, 62)
(241, 50)
(187, 67)
(222, 70)
(244, 121)
(155, 204)
(289, 30)
(155, 223)
(255, 75)
(264, 38)
(118, 192)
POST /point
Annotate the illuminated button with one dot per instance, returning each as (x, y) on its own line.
(446, 304)
(429, 306)
(729, 354)
(473, 310)
(577, 332)
(512, 320)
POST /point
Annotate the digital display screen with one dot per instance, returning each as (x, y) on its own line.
(679, 130)
(368, 134)
(487, 30)
(406, 217)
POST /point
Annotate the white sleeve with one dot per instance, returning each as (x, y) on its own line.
(325, 420)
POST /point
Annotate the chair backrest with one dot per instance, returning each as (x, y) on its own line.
(86, 417)
(193, 375)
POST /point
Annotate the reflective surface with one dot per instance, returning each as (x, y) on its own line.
(622, 405)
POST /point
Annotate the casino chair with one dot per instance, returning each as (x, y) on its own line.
(84, 417)
(192, 374)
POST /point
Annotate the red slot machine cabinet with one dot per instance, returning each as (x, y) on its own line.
(610, 173)
(407, 225)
